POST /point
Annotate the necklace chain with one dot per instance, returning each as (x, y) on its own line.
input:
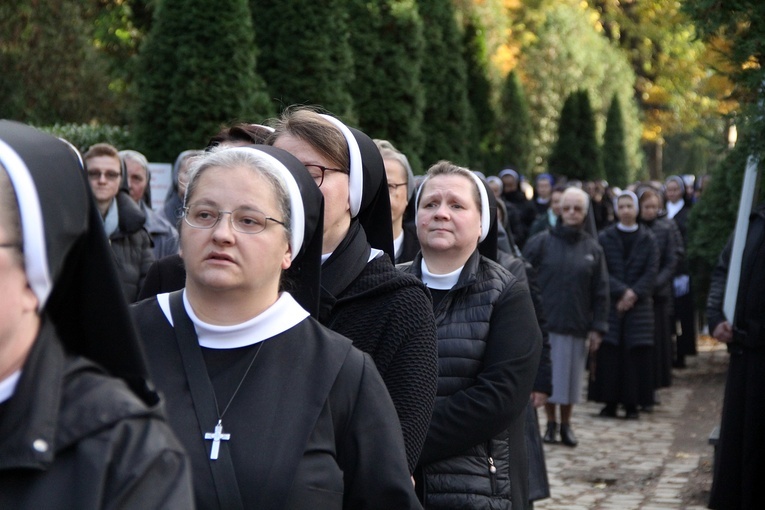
(220, 414)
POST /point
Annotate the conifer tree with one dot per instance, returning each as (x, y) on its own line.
(614, 154)
(514, 126)
(196, 72)
(305, 56)
(444, 78)
(482, 116)
(387, 43)
(589, 149)
(565, 159)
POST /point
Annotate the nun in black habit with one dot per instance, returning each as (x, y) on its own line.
(275, 410)
(387, 314)
(80, 425)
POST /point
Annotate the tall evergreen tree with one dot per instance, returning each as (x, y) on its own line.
(589, 149)
(614, 154)
(387, 43)
(565, 157)
(514, 128)
(482, 116)
(50, 71)
(444, 77)
(197, 71)
(305, 56)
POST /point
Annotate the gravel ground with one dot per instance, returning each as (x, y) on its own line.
(662, 461)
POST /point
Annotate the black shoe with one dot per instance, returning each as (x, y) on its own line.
(646, 409)
(608, 412)
(551, 433)
(632, 414)
(567, 436)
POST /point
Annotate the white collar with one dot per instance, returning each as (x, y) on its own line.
(284, 314)
(8, 386)
(674, 207)
(439, 281)
(625, 228)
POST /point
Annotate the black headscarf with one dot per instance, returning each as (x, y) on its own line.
(367, 179)
(304, 274)
(68, 261)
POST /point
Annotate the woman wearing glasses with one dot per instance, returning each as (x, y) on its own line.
(274, 410)
(386, 313)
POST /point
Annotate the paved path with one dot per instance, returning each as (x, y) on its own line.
(662, 461)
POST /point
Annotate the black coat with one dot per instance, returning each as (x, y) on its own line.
(671, 251)
(87, 441)
(312, 428)
(489, 345)
(638, 272)
(571, 269)
(410, 246)
(131, 246)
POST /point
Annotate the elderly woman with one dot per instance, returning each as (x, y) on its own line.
(386, 313)
(79, 425)
(275, 410)
(489, 345)
(572, 274)
(623, 361)
(400, 179)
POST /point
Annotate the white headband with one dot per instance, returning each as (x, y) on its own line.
(356, 176)
(297, 212)
(35, 253)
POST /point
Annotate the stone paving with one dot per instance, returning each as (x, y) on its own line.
(625, 464)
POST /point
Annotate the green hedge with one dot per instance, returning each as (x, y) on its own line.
(83, 136)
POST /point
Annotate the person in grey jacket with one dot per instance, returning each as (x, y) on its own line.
(164, 236)
(122, 220)
(572, 274)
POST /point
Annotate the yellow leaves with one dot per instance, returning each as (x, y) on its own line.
(506, 58)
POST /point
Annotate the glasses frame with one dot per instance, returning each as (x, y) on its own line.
(394, 187)
(108, 176)
(324, 170)
(230, 220)
(11, 245)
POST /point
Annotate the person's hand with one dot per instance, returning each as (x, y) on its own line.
(723, 332)
(595, 338)
(538, 399)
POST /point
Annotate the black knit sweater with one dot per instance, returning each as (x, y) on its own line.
(388, 314)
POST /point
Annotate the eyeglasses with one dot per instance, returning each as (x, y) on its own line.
(393, 187)
(318, 171)
(576, 208)
(110, 175)
(244, 220)
(11, 245)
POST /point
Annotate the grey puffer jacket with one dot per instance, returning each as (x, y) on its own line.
(489, 344)
(131, 246)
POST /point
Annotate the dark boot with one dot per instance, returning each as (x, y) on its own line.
(609, 411)
(567, 436)
(551, 434)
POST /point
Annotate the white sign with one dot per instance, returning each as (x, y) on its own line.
(161, 179)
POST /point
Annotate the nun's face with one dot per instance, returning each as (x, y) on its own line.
(674, 191)
(448, 217)
(626, 211)
(223, 259)
(396, 176)
(18, 304)
(543, 188)
(509, 183)
(335, 188)
(104, 175)
(649, 208)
